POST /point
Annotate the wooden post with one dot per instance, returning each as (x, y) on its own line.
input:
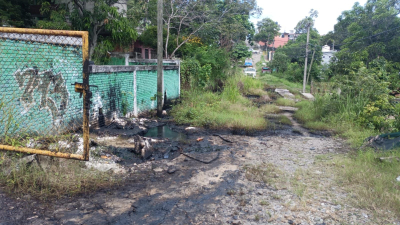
(160, 77)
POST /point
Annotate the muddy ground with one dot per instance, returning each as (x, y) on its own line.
(283, 175)
(277, 176)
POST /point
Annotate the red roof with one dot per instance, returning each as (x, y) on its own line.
(278, 41)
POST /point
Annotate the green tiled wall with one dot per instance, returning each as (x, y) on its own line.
(114, 93)
(36, 88)
(35, 84)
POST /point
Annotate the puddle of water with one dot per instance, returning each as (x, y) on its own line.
(165, 132)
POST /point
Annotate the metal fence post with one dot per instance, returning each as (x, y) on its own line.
(86, 95)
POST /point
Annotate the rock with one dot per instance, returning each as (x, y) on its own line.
(338, 207)
(172, 170)
(166, 156)
(158, 169)
(236, 222)
(147, 151)
(190, 128)
(143, 147)
(312, 148)
(260, 192)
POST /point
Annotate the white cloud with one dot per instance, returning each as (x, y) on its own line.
(287, 13)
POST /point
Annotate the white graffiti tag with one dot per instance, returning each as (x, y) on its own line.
(45, 83)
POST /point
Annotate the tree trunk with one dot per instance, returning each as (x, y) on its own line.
(93, 42)
(167, 39)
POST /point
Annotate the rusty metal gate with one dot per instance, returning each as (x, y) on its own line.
(44, 92)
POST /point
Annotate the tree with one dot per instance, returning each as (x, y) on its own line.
(367, 34)
(240, 50)
(302, 25)
(142, 13)
(267, 31)
(104, 17)
(280, 62)
(213, 21)
(295, 51)
(15, 13)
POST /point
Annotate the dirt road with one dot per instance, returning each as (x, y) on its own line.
(256, 58)
(279, 176)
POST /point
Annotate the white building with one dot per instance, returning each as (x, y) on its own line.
(327, 54)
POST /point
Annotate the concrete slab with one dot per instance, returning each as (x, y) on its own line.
(308, 96)
(287, 108)
(285, 93)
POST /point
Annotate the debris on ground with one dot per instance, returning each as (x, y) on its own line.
(384, 141)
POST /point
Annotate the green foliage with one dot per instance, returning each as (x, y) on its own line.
(219, 110)
(267, 31)
(104, 17)
(280, 62)
(240, 50)
(294, 51)
(189, 68)
(15, 13)
(100, 54)
(54, 19)
(367, 36)
(308, 21)
(363, 102)
(149, 38)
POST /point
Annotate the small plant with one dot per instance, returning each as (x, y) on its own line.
(263, 202)
(257, 218)
(231, 192)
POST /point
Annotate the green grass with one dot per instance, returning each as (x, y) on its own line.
(270, 109)
(278, 82)
(372, 183)
(284, 120)
(228, 109)
(56, 179)
(285, 102)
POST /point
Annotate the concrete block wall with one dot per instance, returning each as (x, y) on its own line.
(113, 92)
(35, 84)
(129, 90)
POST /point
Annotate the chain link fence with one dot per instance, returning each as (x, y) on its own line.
(44, 98)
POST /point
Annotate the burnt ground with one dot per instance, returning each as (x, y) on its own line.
(277, 176)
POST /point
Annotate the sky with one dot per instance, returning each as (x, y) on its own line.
(288, 12)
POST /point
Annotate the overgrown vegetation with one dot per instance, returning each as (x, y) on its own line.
(55, 178)
(225, 109)
(371, 181)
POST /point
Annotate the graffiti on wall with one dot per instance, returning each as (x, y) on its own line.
(49, 86)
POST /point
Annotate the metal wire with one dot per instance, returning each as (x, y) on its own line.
(40, 110)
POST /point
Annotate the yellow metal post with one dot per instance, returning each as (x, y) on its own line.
(86, 100)
(41, 152)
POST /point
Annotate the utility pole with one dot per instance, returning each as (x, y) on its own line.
(309, 70)
(306, 59)
(160, 76)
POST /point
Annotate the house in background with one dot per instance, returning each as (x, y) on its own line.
(279, 41)
(327, 54)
